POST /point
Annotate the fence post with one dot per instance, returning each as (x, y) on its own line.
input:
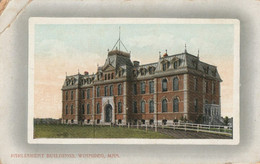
(162, 126)
(174, 126)
(219, 128)
(155, 128)
(128, 125)
(137, 126)
(185, 126)
(198, 128)
(146, 127)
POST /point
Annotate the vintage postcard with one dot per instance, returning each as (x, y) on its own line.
(133, 81)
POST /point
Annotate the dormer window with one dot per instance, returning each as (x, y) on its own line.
(143, 71)
(151, 70)
(175, 65)
(112, 75)
(108, 76)
(105, 76)
(164, 66)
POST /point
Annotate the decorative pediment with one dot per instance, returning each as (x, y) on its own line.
(108, 67)
(174, 59)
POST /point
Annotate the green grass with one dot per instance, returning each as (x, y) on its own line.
(75, 131)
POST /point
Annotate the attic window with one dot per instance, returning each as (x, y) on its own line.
(151, 70)
(175, 64)
(143, 71)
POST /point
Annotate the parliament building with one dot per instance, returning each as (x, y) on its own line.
(174, 87)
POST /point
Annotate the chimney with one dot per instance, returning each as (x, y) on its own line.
(86, 73)
(136, 63)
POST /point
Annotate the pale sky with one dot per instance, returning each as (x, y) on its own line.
(67, 48)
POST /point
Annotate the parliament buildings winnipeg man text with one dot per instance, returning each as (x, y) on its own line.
(122, 91)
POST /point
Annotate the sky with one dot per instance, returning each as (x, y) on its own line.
(67, 48)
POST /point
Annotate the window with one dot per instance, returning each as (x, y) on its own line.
(135, 89)
(119, 107)
(83, 109)
(88, 93)
(196, 105)
(175, 65)
(151, 70)
(175, 84)
(119, 121)
(119, 89)
(195, 84)
(83, 94)
(164, 85)
(72, 121)
(98, 91)
(66, 95)
(164, 105)
(142, 88)
(119, 74)
(88, 109)
(71, 109)
(135, 107)
(67, 109)
(142, 106)
(164, 66)
(111, 90)
(151, 122)
(151, 106)
(105, 90)
(176, 105)
(112, 75)
(206, 87)
(71, 95)
(213, 88)
(108, 76)
(143, 71)
(105, 76)
(151, 87)
(98, 108)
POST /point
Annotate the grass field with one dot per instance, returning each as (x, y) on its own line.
(74, 131)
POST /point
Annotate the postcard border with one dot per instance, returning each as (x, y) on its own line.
(236, 81)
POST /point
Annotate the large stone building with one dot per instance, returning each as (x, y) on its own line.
(122, 91)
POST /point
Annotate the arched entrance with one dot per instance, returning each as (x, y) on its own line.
(108, 113)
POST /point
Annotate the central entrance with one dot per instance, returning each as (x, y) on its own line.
(108, 113)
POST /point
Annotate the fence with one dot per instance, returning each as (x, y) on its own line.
(216, 129)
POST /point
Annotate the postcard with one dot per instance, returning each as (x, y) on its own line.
(133, 81)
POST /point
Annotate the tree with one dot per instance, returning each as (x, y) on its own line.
(226, 120)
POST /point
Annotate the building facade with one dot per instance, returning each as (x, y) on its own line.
(174, 87)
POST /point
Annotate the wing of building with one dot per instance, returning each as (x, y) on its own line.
(174, 87)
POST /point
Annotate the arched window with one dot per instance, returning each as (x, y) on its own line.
(176, 105)
(83, 94)
(119, 89)
(164, 85)
(151, 87)
(83, 108)
(195, 84)
(175, 84)
(164, 105)
(66, 95)
(151, 106)
(142, 88)
(119, 107)
(98, 91)
(196, 105)
(135, 107)
(88, 109)
(142, 106)
(67, 109)
(135, 89)
(111, 90)
(71, 95)
(105, 90)
(71, 109)
(98, 108)
(88, 93)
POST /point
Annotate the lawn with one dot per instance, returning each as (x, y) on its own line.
(75, 131)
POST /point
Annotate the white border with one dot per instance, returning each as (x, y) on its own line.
(236, 83)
